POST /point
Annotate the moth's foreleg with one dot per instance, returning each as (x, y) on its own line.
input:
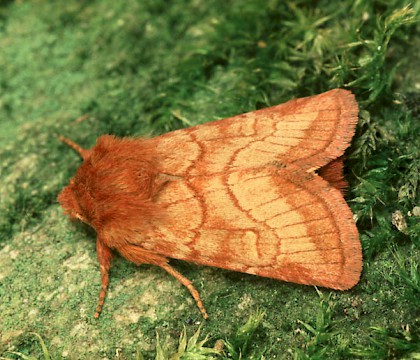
(138, 255)
(104, 257)
(187, 283)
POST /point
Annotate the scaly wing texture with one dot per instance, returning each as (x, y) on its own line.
(308, 132)
(274, 221)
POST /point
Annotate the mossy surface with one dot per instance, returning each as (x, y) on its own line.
(86, 68)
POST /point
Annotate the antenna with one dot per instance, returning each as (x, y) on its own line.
(82, 152)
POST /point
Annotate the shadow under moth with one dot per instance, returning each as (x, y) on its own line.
(259, 193)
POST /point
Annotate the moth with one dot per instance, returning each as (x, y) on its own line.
(259, 193)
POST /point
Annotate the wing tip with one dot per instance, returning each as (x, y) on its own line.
(347, 110)
(352, 269)
(349, 116)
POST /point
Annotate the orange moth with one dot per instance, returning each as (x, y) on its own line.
(259, 193)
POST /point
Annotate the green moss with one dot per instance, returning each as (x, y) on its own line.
(85, 68)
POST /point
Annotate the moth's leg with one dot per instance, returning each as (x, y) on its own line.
(104, 257)
(138, 255)
(187, 283)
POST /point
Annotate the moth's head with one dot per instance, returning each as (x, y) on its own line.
(69, 202)
(74, 198)
(77, 198)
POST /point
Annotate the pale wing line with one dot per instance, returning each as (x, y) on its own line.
(311, 236)
(291, 137)
(319, 270)
(289, 194)
(267, 151)
(320, 130)
(306, 221)
(229, 229)
(300, 138)
(298, 120)
(318, 263)
(303, 112)
(254, 177)
(291, 210)
(300, 146)
(321, 110)
(219, 138)
(309, 251)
